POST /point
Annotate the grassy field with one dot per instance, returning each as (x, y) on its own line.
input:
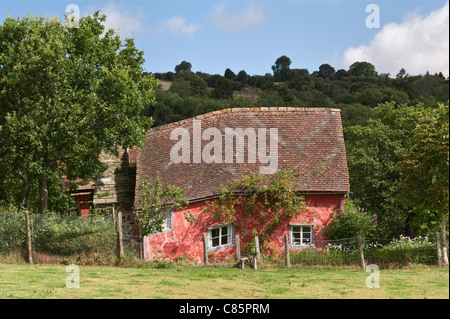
(48, 282)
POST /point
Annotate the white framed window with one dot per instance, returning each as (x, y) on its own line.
(220, 236)
(301, 235)
(168, 221)
(167, 224)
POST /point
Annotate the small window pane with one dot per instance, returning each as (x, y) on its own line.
(296, 229)
(296, 238)
(225, 230)
(224, 240)
(168, 222)
(215, 242)
(215, 232)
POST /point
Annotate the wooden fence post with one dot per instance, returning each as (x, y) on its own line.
(255, 262)
(258, 253)
(205, 250)
(114, 215)
(119, 231)
(286, 251)
(29, 252)
(361, 253)
(238, 248)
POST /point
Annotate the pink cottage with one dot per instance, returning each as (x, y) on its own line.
(202, 153)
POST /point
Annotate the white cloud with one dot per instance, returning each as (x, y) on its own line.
(418, 44)
(178, 27)
(252, 17)
(126, 22)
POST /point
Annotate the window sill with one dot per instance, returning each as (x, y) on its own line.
(164, 231)
(220, 247)
(303, 246)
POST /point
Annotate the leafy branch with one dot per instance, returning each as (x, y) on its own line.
(156, 201)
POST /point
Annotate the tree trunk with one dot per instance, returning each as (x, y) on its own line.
(408, 229)
(438, 250)
(444, 240)
(26, 187)
(26, 201)
(43, 193)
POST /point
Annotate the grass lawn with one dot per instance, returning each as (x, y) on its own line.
(49, 281)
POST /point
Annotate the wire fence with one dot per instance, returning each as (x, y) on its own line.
(94, 239)
(382, 252)
(49, 237)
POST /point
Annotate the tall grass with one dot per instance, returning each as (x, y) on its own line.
(401, 251)
(57, 234)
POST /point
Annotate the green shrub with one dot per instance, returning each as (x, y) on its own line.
(351, 222)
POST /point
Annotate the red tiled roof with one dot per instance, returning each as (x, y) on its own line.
(309, 138)
(82, 186)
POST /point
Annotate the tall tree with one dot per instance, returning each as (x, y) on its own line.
(223, 89)
(229, 74)
(363, 69)
(281, 68)
(66, 94)
(183, 66)
(189, 84)
(325, 70)
(242, 76)
(401, 74)
(373, 150)
(424, 168)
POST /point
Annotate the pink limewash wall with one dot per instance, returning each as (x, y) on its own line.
(184, 239)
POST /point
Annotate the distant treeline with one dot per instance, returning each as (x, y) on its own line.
(360, 87)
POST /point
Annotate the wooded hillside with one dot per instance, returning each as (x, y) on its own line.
(355, 91)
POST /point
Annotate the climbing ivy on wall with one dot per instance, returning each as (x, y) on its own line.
(269, 199)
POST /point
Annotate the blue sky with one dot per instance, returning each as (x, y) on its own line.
(251, 34)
